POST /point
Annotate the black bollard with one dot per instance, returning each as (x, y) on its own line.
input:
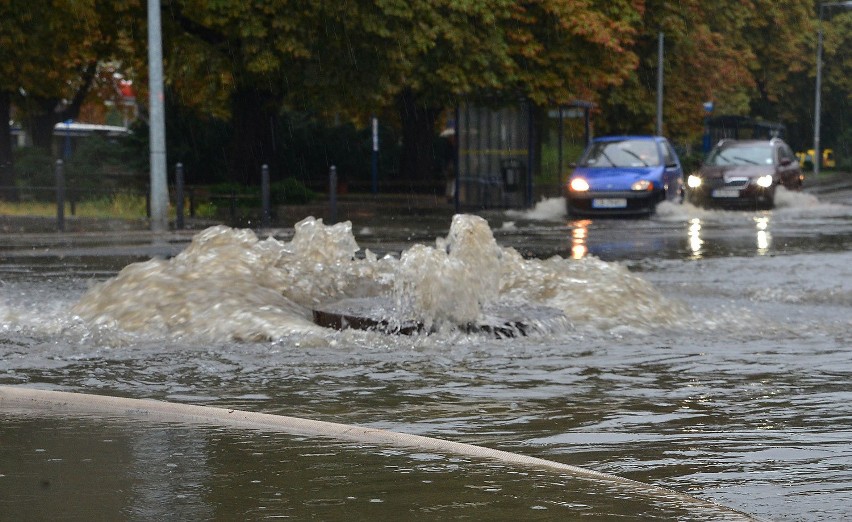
(332, 194)
(265, 216)
(179, 195)
(60, 195)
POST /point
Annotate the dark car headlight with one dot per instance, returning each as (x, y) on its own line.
(764, 181)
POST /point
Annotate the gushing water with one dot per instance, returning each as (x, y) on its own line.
(228, 284)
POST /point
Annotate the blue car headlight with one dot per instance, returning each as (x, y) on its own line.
(579, 185)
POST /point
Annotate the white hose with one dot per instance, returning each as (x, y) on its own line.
(29, 398)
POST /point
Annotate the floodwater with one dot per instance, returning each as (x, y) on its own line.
(706, 352)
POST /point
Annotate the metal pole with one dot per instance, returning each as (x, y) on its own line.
(817, 96)
(159, 190)
(531, 159)
(560, 130)
(179, 183)
(332, 194)
(660, 85)
(60, 196)
(265, 216)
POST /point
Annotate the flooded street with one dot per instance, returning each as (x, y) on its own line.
(706, 352)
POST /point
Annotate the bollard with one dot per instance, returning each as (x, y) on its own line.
(264, 196)
(179, 195)
(60, 195)
(374, 157)
(332, 194)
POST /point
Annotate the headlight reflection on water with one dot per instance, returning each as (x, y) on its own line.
(764, 238)
(695, 241)
(579, 239)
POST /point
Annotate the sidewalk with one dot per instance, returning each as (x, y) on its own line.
(828, 181)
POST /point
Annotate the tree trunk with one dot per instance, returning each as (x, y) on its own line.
(253, 144)
(41, 121)
(8, 190)
(420, 161)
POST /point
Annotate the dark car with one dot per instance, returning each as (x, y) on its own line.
(745, 174)
(624, 175)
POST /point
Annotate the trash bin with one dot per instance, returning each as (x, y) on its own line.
(513, 171)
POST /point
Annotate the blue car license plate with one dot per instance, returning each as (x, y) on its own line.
(609, 203)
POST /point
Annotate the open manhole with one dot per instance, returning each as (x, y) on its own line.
(382, 314)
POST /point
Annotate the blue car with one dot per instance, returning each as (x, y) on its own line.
(624, 175)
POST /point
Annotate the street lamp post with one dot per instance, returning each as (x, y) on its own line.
(817, 152)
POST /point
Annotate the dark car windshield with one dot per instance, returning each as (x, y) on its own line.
(751, 155)
(622, 153)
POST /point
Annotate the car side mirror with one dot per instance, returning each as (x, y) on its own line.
(786, 161)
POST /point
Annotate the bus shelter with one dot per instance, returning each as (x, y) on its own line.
(502, 153)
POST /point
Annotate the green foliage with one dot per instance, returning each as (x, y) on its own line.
(290, 191)
(97, 168)
(198, 141)
(102, 164)
(35, 173)
(843, 150)
(309, 147)
(691, 161)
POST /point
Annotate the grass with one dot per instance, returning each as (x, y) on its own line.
(118, 206)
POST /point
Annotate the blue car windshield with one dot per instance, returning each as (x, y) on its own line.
(623, 153)
(751, 155)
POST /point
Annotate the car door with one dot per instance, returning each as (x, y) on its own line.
(672, 171)
(788, 167)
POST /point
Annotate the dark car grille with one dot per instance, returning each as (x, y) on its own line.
(738, 182)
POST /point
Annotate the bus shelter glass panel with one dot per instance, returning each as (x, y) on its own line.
(562, 140)
(493, 156)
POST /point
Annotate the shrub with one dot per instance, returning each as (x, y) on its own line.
(35, 174)
(290, 191)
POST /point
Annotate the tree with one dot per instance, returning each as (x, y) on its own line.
(239, 60)
(701, 63)
(426, 56)
(752, 58)
(49, 53)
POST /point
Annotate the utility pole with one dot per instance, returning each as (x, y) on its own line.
(159, 189)
(660, 85)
